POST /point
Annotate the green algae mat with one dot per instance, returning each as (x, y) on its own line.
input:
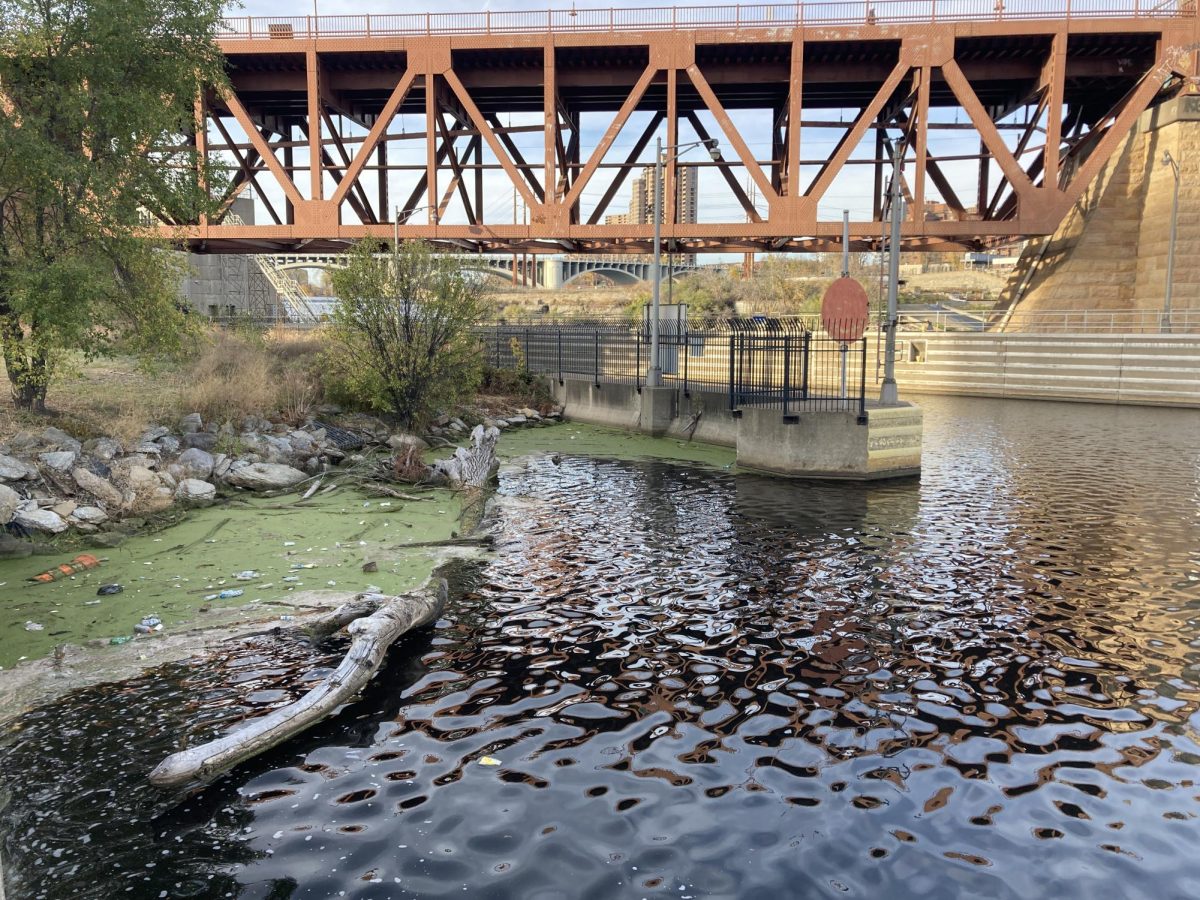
(278, 548)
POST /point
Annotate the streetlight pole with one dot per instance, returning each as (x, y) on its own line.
(654, 375)
(1166, 314)
(888, 394)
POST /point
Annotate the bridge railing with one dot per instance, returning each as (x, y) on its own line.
(746, 15)
(790, 369)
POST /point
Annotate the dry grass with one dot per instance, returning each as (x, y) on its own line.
(115, 397)
(231, 375)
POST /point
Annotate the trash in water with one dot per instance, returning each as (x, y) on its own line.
(304, 565)
(230, 594)
(79, 564)
(489, 761)
(289, 543)
(331, 583)
(34, 626)
(248, 575)
(290, 579)
(91, 602)
(107, 590)
(122, 639)
(148, 624)
(286, 618)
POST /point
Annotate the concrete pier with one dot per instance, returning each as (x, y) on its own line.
(806, 443)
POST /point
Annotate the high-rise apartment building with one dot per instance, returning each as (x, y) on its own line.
(641, 200)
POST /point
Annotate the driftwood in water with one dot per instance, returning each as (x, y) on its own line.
(477, 540)
(371, 636)
(361, 606)
(470, 468)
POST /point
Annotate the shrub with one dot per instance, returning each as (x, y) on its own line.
(400, 340)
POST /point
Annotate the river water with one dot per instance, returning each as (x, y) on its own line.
(698, 683)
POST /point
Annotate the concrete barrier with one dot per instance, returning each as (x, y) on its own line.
(1152, 370)
(810, 444)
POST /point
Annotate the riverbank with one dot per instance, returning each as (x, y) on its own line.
(304, 558)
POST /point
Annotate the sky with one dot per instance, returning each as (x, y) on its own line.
(852, 190)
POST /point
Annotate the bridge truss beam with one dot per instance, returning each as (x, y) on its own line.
(318, 143)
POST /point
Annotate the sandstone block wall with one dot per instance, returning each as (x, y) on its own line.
(1110, 252)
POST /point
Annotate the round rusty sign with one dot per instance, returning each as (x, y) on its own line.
(844, 310)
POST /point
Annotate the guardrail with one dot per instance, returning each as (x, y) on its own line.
(788, 369)
(736, 16)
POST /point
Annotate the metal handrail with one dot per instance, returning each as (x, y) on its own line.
(816, 13)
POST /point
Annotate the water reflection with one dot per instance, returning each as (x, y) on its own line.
(700, 684)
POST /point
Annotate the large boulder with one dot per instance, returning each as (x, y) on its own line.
(264, 476)
(9, 501)
(13, 469)
(255, 424)
(30, 516)
(89, 515)
(153, 433)
(56, 439)
(302, 443)
(59, 460)
(196, 463)
(192, 490)
(105, 449)
(203, 440)
(145, 493)
(100, 488)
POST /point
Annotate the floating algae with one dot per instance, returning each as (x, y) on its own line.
(213, 546)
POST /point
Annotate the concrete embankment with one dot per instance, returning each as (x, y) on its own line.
(1138, 369)
(884, 442)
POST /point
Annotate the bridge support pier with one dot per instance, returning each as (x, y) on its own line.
(1110, 254)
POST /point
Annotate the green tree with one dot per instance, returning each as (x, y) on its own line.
(97, 96)
(400, 337)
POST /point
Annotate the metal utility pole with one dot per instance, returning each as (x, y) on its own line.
(845, 243)
(845, 348)
(654, 376)
(888, 395)
(1166, 314)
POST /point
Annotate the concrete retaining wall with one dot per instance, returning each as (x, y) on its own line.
(806, 444)
(1155, 370)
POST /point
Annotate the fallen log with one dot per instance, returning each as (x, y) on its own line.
(480, 540)
(371, 636)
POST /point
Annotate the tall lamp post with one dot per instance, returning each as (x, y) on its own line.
(888, 394)
(1166, 313)
(654, 375)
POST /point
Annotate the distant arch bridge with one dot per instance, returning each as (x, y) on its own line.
(540, 271)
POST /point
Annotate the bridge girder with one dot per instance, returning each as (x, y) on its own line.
(1087, 80)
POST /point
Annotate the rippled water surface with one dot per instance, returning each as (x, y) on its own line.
(702, 684)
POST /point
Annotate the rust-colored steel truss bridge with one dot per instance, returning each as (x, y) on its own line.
(1002, 114)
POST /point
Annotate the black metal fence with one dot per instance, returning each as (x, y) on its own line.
(762, 362)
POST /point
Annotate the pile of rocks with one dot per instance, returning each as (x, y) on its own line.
(51, 482)
(452, 428)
